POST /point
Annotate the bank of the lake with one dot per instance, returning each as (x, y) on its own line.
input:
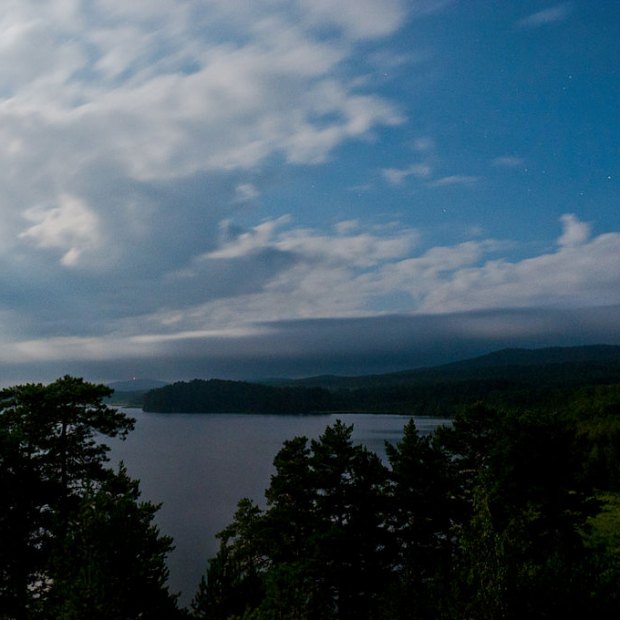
(199, 466)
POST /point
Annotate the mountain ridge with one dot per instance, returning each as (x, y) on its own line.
(523, 378)
(500, 359)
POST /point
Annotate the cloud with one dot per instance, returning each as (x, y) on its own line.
(551, 15)
(358, 18)
(70, 227)
(580, 272)
(455, 179)
(574, 232)
(463, 278)
(308, 347)
(267, 287)
(396, 176)
(110, 103)
(423, 144)
(245, 243)
(142, 142)
(246, 192)
(131, 131)
(365, 272)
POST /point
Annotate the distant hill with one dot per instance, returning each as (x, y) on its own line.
(507, 363)
(525, 378)
(548, 355)
(136, 385)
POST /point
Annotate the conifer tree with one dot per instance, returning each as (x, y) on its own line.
(66, 514)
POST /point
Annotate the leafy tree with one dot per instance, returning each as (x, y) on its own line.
(319, 550)
(487, 519)
(234, 579)
(521, 550)
(64, 513)
(111, 563)
(58, 427)
(216, 395)
(351, 546)
(24, 522)
(422, 509)
(291, 517)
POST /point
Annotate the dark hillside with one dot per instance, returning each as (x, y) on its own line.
(559, 362)
(544, 378)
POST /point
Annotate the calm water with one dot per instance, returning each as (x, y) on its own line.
(199, 466)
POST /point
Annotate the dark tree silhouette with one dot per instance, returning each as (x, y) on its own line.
(65, 513)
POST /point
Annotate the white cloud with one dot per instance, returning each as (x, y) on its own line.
(349, 248)
(581, 272)
(396, 176)
(131, 129)
(455, 179)
(70, 227)
(123, 95)
(574, 231)
(364, 273)
(346, 226)
(248, 242)
(358, 272)
(358, 18)
(246, 192)
(286, 273)
(551, 15)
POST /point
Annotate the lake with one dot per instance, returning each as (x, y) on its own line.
(201, 465)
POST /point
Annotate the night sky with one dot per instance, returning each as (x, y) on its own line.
(254, 188)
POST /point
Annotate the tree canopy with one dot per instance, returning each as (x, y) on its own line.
(504, 514)
(489, 518)
(75, 540)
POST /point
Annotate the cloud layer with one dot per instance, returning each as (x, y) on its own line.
(139, 143)
(102, 102)
(262, 291)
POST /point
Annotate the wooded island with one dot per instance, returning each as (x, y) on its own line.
(544, 378)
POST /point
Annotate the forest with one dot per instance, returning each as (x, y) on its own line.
(509, 512)
(540, 378)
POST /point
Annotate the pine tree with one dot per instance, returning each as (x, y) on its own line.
(63, 507)
(111, 563)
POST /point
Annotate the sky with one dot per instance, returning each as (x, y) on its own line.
(258, 188)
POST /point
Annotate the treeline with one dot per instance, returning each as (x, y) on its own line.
(76, 541)
(442, 391)
(218, 396)
(503, 515)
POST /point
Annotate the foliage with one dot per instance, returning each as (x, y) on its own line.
(596, 410)
(218, 396)
(521, 552)
(423, 504)
(75, 540)
(519, 379)
(507, 513)
(320, 549)
(604, 539)
(491, 518)
(111, 563)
